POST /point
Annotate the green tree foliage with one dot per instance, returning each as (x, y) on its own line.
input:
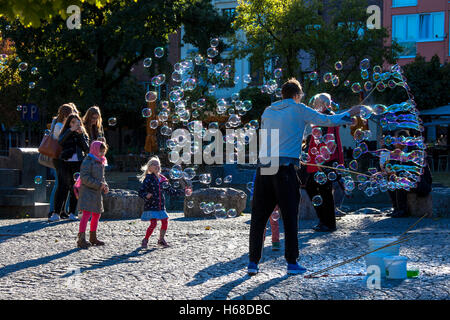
(90, 65)
(34, 12)
(428, 81)
(302, 36)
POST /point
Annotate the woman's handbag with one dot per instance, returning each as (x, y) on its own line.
(49, 149)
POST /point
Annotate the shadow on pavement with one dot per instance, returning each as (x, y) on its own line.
(18, 229)
(33, 263)
(121, 258)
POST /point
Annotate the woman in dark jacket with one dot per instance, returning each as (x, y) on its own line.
(75, 145)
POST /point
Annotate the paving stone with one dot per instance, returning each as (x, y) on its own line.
(41, 261)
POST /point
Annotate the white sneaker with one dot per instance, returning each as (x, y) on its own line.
(55, 217)
(73, 217)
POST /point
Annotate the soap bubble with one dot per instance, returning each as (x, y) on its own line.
(147, 62)
(275, 215)
(357, 152)
(232, 213)
(365, 74)
(76, 175)
(159, 52)
(220, 213)
(364, 64)
(320, 177)
(250, 186)
(154, 124)
(346, 83)
(212, 52)
(23, 66)
(151, 96)
(338, 65)
(158, 80)
(112, 121)
(176, 172)
(38, 180)
(332, 176)
(228, 179)
(377, 69)
(277, 73)
(353, 165)
(368, 86)
(214, 42)
(31, 85)
(381, 86)
(316, 133)
(34, 71)
(313, 76)
(190, 204)
(218, 181)
(327, 77)
(356, 87)
(316, 200)
(205, 178)
(146, 112)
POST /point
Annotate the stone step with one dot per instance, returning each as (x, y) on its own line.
(17, 191)
(36, 210)
(16, 200)
(10, 177)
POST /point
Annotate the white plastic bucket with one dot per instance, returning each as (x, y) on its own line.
(395, 267)
(376, 243)
(377, 259)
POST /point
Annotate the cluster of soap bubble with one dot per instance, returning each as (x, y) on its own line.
(402, 157)
(22, 67)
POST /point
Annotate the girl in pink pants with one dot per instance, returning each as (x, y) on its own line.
(91, 184)
(275, 229)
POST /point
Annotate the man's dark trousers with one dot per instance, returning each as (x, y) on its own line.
(281, 188)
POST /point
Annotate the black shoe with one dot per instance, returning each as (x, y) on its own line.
(316, 228)
(323, 228)
(64, 215)
(399, 214)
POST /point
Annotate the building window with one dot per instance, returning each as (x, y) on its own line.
(230, 12)
(405, 32)
(403, 3)
(431, 26)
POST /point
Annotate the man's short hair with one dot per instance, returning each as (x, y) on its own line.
(291, 88)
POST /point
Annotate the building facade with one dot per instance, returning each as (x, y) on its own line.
(421, 27)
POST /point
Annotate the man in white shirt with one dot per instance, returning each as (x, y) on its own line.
(276, 180)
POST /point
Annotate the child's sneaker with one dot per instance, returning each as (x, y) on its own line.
(144, 243)
(295, 268)
(252, 269)
(276, 246)
(163, 243)
(73, 217)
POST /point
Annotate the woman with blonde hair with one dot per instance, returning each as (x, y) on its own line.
(92, 121)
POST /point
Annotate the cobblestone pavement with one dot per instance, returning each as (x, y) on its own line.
(37, 260)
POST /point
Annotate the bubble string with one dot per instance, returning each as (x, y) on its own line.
(337, 169)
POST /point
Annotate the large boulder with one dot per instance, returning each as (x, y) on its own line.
(306, 209)
(230, 199)
(441, 201)
(122, 204)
